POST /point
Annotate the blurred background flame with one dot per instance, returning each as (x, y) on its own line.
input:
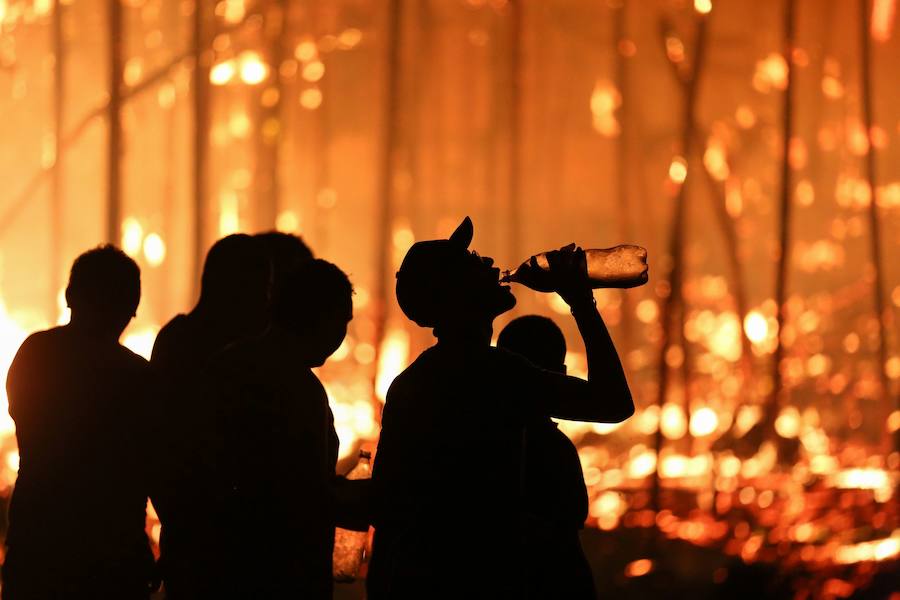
(752, 147)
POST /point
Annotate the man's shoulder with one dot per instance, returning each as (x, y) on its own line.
(174, 329)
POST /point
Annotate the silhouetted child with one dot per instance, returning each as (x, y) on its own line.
(448, 468)
(278, 446)
(233, 305)
(78, 399)
(555, 494)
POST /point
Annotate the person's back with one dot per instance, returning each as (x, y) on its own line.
(276, 444)
(232, 306)
(448, 474)
(79, 401)
(554, 489)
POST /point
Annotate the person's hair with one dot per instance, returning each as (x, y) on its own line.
(536, 338)
(104, 281)
(286, 252)
(310, 291)
(235, 266)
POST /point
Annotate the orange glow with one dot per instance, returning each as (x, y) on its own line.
(154, 249)
(638, 568)
(132, 236)
(756, 327)
(788, 423)
(394, 357)
(704, 421)
(313, 71)
(673, 421)
(287, 221)
(882, 24)
(311, 98)
(875, 550)
(306, 51)
(678, 170)
(605, 99)
(703, 6)
(252, 69)
(222, 73)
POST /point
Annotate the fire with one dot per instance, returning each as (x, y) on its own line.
(639, 568)
(704, 421)
(882, 24)
(678, 170)
(252, 69)
(756, 327)
(393, 359)
(876, 550)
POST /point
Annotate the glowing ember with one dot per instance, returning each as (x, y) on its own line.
(704, 421)
(638, 568)
(222, 73)
(252, 69)
(678, 170)
(756, 327)
(154, 249)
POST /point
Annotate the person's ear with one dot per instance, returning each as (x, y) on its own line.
(69, 296)
(564, 370)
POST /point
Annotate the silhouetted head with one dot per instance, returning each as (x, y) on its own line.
(104, 290)
(441, 284)
(315, 302)
(236, 284)
(286, 252)
(536, 338)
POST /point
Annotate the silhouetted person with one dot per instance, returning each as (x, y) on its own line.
(286, 252)
(447, 473)
(278, 448)
(233, 305)
(555, 495)
(77, 396)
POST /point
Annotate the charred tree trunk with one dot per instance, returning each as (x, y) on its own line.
(386, 184)
(114, 123)
(57, 197)
(202, 61)
(881, 311)
(784, 220)
(674, 301)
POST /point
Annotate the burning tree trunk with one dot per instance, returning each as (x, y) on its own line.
(386, 183)
(622, 151)
(201, 135)
(57, 198)
(674, 301)
(114, 123)
(269, 122)
(884, 317)
(784, 221)
(515, 123)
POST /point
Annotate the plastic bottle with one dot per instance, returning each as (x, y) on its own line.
(350, 546)
(623, 266)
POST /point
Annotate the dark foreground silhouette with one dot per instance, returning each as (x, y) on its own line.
(233, 305)
(448, 474)
(556, 498)
(278, 447)
(78, 399)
